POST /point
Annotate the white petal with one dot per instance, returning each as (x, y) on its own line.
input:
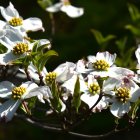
(118, 109)
(41, 92)
(137, 53)
(120, 72)
(6, 58)
(54, 8)
(29, 86)
(64, 71)
(70, 84)
(44, 42)
(10, 38)
(110, 58)
(72, 11)
(135, 95)
(32, 24)
(9, 12)
(110, 84)
(8, 108)
(2, 24)
(91, 58)
(89, 99)
(5, 89)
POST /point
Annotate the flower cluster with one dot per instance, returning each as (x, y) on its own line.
(90, 85)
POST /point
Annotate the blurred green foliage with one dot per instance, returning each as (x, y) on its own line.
(74, 40)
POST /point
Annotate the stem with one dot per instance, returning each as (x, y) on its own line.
(26, 108)
(86, 114)
(41, 80)
(52, 24)
(27, 74)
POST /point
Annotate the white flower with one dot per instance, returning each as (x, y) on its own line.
(15, 21)
(92, 93)
(16, 46)
(122, 96)
(16, 95)
(67, 8)
(62, 73)
(102, 63)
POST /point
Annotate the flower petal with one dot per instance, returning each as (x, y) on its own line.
(42, 92)
(2, 24)
(64, 71)
(6, 58)
(72, 11)
(32, 24)
(29, 87)
(5, 89)
(89, 99)
(118, 109)
(9, 12)
(8, 108)
(110, 58)
(54, 8)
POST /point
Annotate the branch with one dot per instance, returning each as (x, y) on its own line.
(58, 129)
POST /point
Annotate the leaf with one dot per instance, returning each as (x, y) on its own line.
(135, 106)
(102, 41)
(31, 102)
(55, 101)
(39, 48)
(44, 58)
(134, 12)
(24, 61)
(76, 101)
(44, 3)
(121, 43)
(134, 30)
(3, 49)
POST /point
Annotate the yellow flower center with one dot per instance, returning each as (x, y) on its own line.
(66, 2)
(123, 94)
(16, 21)
(101, 65)
(50, 77)
(17, 92)
(94, 88)
(20, 48)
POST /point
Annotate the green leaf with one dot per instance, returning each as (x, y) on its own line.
(24, 61)
(121, 43)
(38, 48)
(134, 12)
(134, 30)
(102, 41)
(3, 49)
(133, 112)
(56, 100)
(31, 102)
(44, 3)
(44, 58)
(76, 101)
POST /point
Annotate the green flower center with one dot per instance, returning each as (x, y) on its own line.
(101, 65)
(123, 94)
(20, 48)
(16, 21)
(17, 92)
(94, 88)
(50, 77)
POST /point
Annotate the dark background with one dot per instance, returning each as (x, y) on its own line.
(73, 40)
